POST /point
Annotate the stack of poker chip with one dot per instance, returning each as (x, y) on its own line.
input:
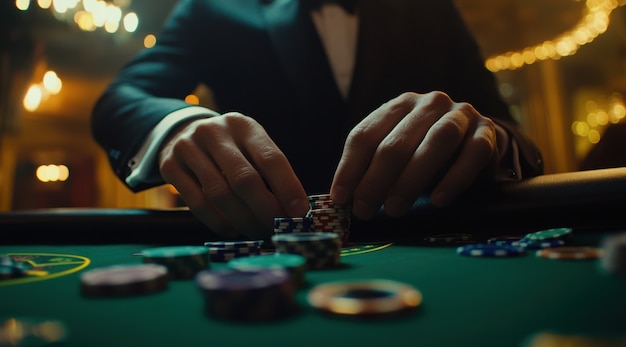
(253, 295)
(223, 251)
(295, 264)
(124, 280)
(320, 249)
(9, 268)
(292, 224)
(182, 262)
(547, 238)
(328, 217)
(614, 254)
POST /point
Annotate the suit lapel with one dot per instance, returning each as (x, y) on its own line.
(301, 53)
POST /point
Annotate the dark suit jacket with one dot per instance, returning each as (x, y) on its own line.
(264, 58)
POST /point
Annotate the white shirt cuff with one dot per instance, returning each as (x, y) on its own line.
(142, 163)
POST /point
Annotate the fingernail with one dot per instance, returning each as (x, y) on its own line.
(340, 195)
(298, 207)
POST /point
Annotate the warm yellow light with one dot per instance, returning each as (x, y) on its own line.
(84, 20)
(593, 136)
(52, 82)
(99, 13)
(45, 4)
(89, 5)
(149, 41)
(33, 98)
(52, 173)
(22, 5)
(64, 173)
(580, 128)
(131, 22)
(192, 99)
(111, 27)
(594, 22)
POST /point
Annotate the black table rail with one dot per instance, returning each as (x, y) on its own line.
(588, 200)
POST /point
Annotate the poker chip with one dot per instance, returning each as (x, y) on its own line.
(334, 220)
(182, 262)
(124, 280)
(550, 243)
(548, 234)
(490, 250)
(223, 251)
(295, 264)
(320, 249)
(251, 295)
(10, 269)
(570, 253)
(506, 240)
(292, 224)
(364, 298)
(614, 254)
(449, 238)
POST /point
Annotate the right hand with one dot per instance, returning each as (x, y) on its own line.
(232, 175)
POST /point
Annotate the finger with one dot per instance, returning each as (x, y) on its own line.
(277, 172)
(199, 205)
(243, 148)
(477, 154)
(362, 143)
(389, 160)
(433, 155)
(227, 177)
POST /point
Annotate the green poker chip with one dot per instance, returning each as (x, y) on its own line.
(174, 251)
(549, 234)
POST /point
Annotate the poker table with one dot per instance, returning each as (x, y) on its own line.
(467, 301)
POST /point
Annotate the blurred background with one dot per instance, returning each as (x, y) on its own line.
(560, 64)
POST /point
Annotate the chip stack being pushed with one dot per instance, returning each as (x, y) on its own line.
(328, 217)
(182, 262)
(320, 249)
(614, 254)
(248, 296)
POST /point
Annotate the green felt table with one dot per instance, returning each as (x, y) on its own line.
(467, 301)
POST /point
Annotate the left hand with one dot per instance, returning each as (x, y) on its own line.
(408, 144)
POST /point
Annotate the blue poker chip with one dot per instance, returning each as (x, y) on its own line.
(490, 250)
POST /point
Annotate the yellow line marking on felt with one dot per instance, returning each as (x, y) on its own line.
(85, 262)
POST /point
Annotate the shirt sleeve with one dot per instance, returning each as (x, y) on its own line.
(143, 167)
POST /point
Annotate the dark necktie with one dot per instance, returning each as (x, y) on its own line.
(348, 5)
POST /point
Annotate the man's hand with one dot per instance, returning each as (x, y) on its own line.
(407, 145)
(232, 175)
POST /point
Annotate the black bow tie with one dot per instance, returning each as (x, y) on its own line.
(348, 5)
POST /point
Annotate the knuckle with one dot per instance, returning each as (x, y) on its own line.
(437, 98)
(216, 191)
(394, 147)
(243, 178)
(449, 129)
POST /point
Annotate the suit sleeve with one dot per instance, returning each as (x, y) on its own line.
(146, 90)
